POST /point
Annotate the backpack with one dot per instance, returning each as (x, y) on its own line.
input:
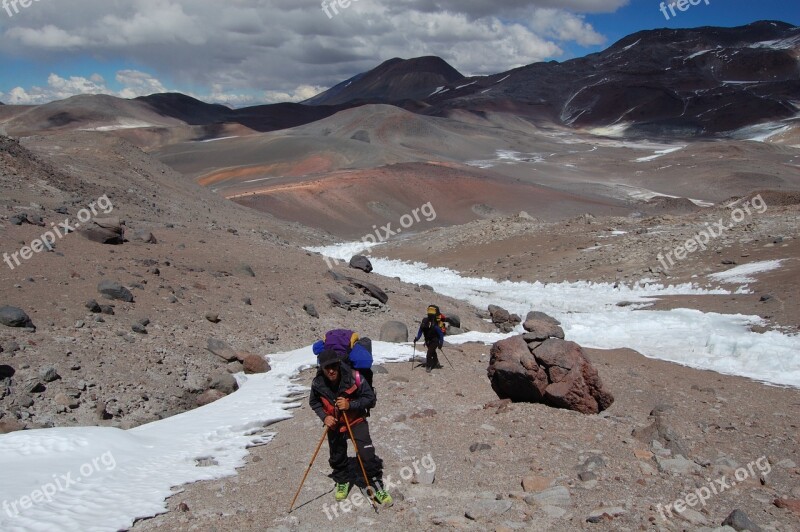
(341, 341)
(352, 349)
(440, 318)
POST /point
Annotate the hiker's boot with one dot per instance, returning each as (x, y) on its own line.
(428, 369)
(382, 496)
(341, 491)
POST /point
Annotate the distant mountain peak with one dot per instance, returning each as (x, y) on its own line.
(394, 80)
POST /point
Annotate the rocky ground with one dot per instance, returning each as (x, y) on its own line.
(216, 271)
(527, 466)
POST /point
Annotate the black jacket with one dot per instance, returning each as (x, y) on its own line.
(362, 398)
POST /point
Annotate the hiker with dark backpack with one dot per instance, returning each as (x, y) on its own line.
(357, 352)
(341, 398)
(434, 337)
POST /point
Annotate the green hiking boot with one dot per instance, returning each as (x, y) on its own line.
(341, 491)
(383, 497)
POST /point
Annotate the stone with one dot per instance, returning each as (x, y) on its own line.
(224, 382)
(394, 332)
(145, 236)
(514, 373)
(574, 382)
(104, 231)
(208, 397)
(479, 447)
(677, 466)
(536, 484)
(49, 374)
(360, 262)
(487, 509)
(246, 270)
(739, 521)
(311, 310)
(539, 330)
(139, 328)
(213, 317)
(793, 505)
(221, 349)
(115, 291)
(255, 364)
(556, 496)
(15, 317)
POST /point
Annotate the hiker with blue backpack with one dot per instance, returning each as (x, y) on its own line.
(342, 399)
(355, 350)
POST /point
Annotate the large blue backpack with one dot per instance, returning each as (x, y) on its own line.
(357, 351)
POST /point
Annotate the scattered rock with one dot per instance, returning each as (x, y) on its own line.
(535, 484)
(793, 505)
(487, 509)
(504, 320)
(208, 397)
(311, 310)
(556, 496)
(9, 425)
(104, 231)
(222, 350)
(360, 262)
(49, 374)
(255, 364)
(246, 270)
(224, 382)
(394, 331)
(479, 447)
(15, 317)
(213, 317)
(139, 328)
(145, 236)
(115, 291)
(738, 520)
(93, 306)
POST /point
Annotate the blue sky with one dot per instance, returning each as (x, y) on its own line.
(257, 51)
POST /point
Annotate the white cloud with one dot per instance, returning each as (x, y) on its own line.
(273, 49)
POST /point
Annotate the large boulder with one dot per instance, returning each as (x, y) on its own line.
(105, 231)
(360, 262)
(15, 317)
(255, 363)
(394, 331)
(555, 372)
(369, 289)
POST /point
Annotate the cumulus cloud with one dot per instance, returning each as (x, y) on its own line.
(246, 51)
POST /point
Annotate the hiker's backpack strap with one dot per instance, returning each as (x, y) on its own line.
(357, 375)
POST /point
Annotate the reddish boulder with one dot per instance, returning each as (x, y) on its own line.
(514, 373)
(555, 372)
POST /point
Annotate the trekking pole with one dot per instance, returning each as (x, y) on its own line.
(445, 357)
(324, 433)
(414, 357)
(360, 462)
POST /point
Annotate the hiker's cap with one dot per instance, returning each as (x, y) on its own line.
(328, 357)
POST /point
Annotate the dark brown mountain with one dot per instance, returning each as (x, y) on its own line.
(393, 81)
(671, 82)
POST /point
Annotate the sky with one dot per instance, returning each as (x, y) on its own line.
(245, 52)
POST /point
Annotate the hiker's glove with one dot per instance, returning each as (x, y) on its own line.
(330, 422)
(343, 404)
